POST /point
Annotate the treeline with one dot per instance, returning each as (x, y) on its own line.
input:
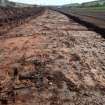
(99, 3)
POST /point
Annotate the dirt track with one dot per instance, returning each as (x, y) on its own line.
(67, 60)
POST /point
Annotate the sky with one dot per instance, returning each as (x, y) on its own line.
(51, 2)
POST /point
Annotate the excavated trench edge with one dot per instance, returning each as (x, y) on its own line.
(38, 13)
(89, 25)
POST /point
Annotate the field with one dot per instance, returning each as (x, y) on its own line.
(90, 11)
(93, 15)
(93, 9)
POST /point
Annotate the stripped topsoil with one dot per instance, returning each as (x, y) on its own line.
(52, 60)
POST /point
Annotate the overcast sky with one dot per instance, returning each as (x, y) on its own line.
(51, 2)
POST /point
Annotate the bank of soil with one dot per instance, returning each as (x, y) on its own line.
(51, 60)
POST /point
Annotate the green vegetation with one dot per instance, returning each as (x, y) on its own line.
(95, 8)
(98, 5)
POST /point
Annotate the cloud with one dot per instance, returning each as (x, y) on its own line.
(51, 2)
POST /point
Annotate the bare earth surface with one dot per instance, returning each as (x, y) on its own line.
(66, 60)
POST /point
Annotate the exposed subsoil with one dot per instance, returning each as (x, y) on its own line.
(52, 60)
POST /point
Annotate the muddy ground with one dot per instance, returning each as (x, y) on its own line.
(51, 60)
